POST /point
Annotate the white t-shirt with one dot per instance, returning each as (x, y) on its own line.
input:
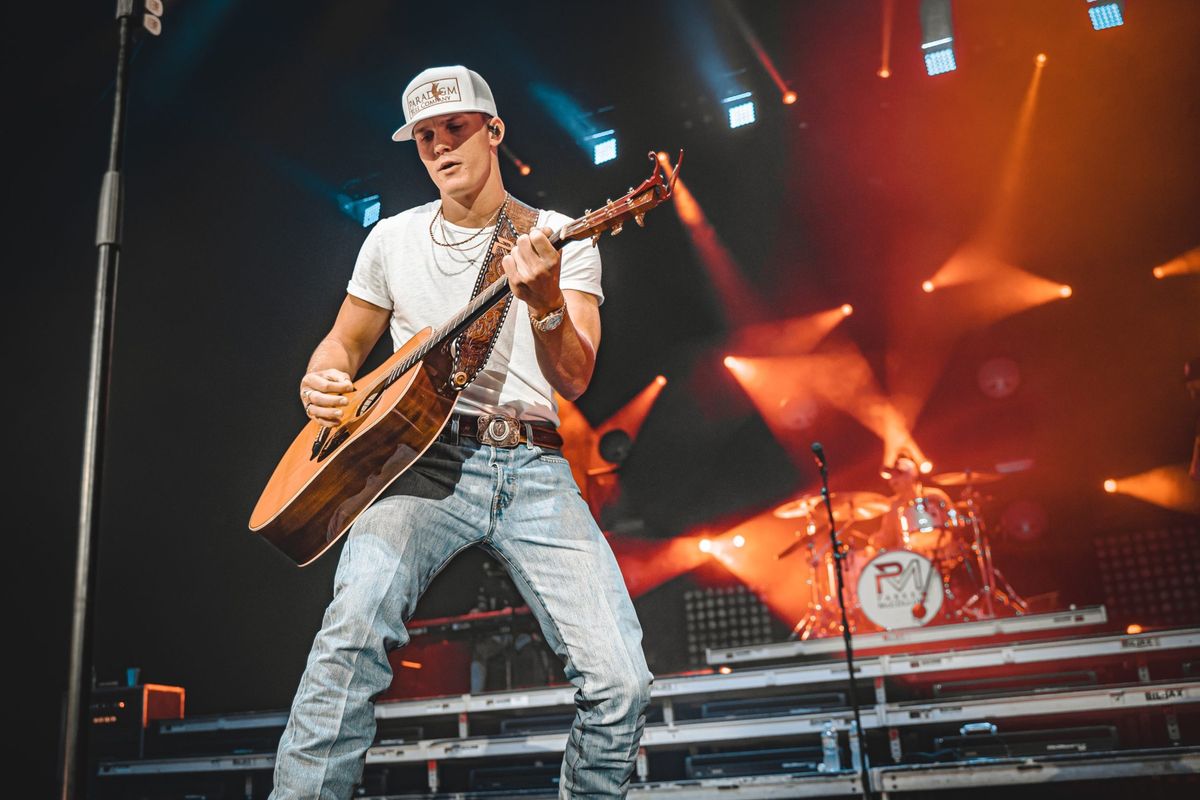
(400, 268)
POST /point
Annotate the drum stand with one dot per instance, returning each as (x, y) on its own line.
(822, 618)
(989, 593)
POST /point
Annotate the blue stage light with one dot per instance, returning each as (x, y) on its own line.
(604, 146)
(937, 37)
(741, 109)
(363, 210)
(940, 60)
(1106, 14)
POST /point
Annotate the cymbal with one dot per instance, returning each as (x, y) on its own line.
(968, 477)
(847, 507)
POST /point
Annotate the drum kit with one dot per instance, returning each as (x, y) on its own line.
(908, 562)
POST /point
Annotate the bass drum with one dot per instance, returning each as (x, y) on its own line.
(899, 589)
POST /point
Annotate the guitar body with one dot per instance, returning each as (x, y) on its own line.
(311, 500)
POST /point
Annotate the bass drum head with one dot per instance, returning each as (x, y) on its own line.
(893, 583)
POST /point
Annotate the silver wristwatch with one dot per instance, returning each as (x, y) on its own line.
(549, 322)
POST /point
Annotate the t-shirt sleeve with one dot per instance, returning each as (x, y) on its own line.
(369, 280)
(580, 262)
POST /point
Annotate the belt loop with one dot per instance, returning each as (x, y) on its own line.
(528, 434)
(454, 419)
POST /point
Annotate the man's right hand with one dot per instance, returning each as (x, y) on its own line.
(321, 393)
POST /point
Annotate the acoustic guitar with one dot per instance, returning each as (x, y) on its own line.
(328, 476)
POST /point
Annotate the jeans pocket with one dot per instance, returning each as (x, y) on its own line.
(551, 456)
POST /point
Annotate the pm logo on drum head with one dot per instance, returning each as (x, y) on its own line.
(894, 585)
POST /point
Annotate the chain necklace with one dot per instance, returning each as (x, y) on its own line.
(470, 262)
(464, 244)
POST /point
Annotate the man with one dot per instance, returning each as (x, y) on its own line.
(919, 517)
(519, 502)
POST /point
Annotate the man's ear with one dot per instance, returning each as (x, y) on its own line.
(495, 128)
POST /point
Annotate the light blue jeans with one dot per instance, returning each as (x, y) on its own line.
(522, 505)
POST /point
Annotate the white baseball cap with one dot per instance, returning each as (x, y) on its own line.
(443, 90)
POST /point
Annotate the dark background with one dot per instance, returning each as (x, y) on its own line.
(247, 117)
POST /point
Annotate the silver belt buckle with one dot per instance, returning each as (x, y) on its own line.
(498, 430)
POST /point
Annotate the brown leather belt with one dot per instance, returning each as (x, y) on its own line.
(499, 430)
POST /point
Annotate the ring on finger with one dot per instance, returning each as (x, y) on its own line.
(306, 393)
(306, 407)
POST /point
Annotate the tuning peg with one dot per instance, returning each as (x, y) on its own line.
(617, 228)
(608, 201)
(640, 219)
(587, 211)
(596, 238)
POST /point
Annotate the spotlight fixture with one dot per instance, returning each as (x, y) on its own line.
(927, 287)
(359, 204)
(740, 109)
(1106, 13)
(789, 97)
(847, 309)
(706, 545)
(739, 540)
(1040, 60)
(1064, 291)
(1110, 486)
(604, 146)
(937, 37)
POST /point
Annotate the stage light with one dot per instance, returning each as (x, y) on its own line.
(1185, 264)
(739, 541)
(730, 362)
(604, 146)
(725, 670)
(525, 169)
(926, 467)
(940, 61)
(364, 210)
(1110, 486)
(937, 37)
(884, 72)
(847, 309)
(740, 108)
(789, 97)
(1133, 628)
(927, 287)
(661, 380)
(706, 545)
(1064, 291)
(1106, 13)
(1040, 60)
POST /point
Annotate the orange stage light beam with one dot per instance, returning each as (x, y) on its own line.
(761, 54)
(985, 289)
(1186, 264)
(737, 298)
(885, 55)
(648, 563)
(785, 391)
(790, 336)
(998, 225)
(1168, 486)
(596, 477)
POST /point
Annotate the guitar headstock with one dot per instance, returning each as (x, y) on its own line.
(634, 205)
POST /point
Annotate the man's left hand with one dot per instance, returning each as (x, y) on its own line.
(532, 269)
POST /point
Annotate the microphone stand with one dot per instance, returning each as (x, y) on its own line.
(75, 765)
(864, 770)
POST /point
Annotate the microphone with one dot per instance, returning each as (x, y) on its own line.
(819, 454)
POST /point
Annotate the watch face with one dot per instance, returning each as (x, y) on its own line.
(550, 321)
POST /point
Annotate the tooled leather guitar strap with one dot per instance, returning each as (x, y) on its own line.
(474, 345)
